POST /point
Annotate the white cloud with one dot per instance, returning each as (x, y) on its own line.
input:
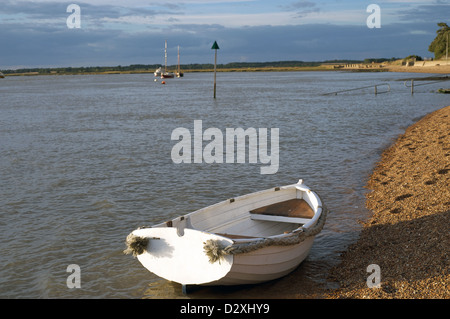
(225, 19)
(233, 20)
(418, 32)
(128, 3)
(408, 1)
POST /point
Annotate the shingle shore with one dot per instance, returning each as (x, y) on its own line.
(408, 236)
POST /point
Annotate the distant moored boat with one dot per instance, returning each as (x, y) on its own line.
(158, 72)
(179, 73)
(165, 74)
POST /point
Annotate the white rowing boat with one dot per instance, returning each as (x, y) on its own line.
(244, 240)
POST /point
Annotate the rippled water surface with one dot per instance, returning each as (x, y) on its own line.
(87, 159)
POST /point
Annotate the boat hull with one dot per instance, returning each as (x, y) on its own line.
(249, 239)
(265, 264)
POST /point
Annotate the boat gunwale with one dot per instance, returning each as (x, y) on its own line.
(298, 186)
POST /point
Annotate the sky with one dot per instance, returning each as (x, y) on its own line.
(36, 33)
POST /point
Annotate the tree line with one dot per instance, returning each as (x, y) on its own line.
(184, 67)
(439, 46)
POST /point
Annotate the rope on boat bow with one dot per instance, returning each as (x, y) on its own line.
(215, 251)
(136, 245)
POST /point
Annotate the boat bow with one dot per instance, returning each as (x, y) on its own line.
(179, 258)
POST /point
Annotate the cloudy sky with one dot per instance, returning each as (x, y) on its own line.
(34, 33)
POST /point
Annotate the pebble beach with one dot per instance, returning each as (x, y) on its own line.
(407, 235)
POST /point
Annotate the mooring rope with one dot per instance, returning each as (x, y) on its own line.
(136, 245)
(215, 251)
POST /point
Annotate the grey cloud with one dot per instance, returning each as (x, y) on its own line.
(301, 8)
(439, 12)
(302, 4)
(33, 11)
(44, 45)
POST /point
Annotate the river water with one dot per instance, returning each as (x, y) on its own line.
(87, 159)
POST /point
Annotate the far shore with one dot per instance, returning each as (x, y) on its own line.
(443, 68)
(262, 69)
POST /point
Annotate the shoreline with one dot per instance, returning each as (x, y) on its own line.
(441, 69)
(407, 234)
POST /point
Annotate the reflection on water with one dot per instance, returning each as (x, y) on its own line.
(301, 283)
(86, 159)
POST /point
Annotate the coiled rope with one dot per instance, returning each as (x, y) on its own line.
(136, 245)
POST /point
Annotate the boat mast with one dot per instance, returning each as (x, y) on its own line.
(178, 59)
(165, 57)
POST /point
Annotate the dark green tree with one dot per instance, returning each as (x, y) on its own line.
(439, 44)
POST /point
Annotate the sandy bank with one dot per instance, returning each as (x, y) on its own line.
(408, 234)
(441, 69)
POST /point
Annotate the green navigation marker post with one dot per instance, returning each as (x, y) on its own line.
(215, 47)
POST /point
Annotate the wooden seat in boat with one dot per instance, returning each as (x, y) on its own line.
(290, 208)
(232, 236)
(293, 211)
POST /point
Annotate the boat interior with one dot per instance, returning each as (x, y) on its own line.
(274, 219)
(258, 215)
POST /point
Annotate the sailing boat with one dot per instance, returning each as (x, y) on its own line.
(166, 75)
(179, 73)
(1, 75)
(157, 72)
